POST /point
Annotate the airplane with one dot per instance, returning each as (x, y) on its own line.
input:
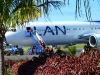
(58, 33)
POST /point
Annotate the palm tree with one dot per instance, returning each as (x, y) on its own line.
(12, 12)
(15, 12)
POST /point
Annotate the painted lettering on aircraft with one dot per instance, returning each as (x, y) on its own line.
(58, 28)
(35, 29)
(48, 29)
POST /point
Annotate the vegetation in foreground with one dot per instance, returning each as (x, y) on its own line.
(58, 64)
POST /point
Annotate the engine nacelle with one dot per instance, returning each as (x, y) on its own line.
(94, 40)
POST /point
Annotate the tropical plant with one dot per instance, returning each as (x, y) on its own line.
(87, 63)
(72, 49)
(16, 12)
(7, 70)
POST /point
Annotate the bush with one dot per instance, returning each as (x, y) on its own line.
(72, 49)
(9, 63)
(88, 63)
(7, 70)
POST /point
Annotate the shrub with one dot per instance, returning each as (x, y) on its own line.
(9, 63)
(88, 63)
(72, 49)
(7, 70)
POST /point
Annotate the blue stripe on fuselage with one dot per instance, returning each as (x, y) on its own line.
(94, 21)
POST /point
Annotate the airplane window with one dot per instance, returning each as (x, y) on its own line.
(83, 28)
(74, 29)
(12, 30)
(66, 29)
(79, 28)
(91, 28)
(40, 34)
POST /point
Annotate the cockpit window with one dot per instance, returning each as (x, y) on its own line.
(12, 30)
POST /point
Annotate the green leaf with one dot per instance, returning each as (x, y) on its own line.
(72, 49)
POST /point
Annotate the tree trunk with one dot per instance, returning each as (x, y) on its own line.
(1, 56)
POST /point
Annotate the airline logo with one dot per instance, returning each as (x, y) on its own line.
(54, 31)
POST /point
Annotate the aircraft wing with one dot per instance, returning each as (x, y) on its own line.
(85, 36)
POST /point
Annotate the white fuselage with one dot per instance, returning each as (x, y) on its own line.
(54, 33)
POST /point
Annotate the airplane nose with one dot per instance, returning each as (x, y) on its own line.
(9, 37)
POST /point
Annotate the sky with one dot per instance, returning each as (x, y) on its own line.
(68, 12)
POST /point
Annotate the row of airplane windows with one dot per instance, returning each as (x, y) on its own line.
(14, 30)
(73, 29)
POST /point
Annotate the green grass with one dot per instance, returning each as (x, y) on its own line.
(79, 45)
(72, 49)
(26, 48)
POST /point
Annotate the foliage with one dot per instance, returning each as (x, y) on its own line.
(17, 12)
(85, 64)
(87, 8)
(7, 70)
(13, 11)
(62, 47)
(65, 52)
(56, 64)
(9, 63)
(78, 9)
(72, 49)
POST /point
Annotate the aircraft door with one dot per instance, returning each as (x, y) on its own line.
(27, 32)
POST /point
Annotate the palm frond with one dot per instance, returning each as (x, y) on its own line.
(46, 6)
(24, 14)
